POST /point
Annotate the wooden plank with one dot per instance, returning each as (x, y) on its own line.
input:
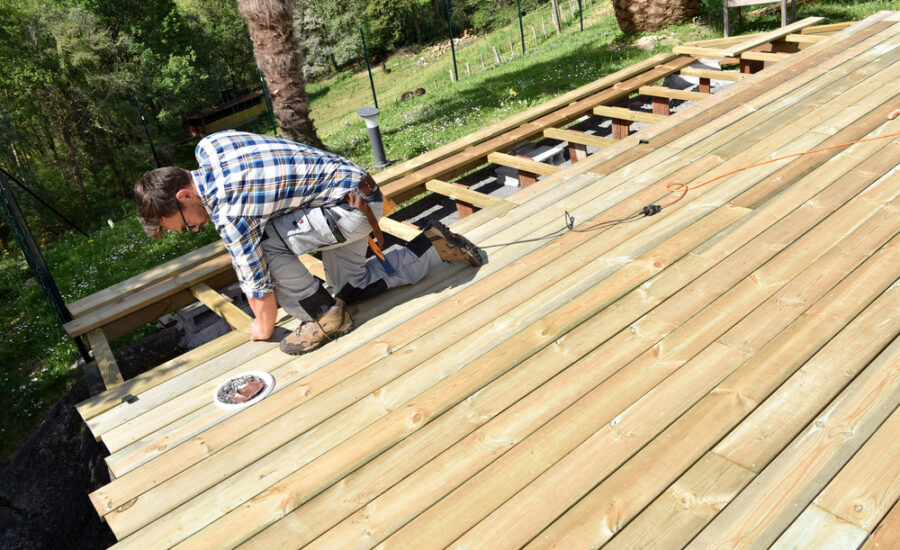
(627, 114)
(408, 167)
(578, 137)
(887, 533)
(671, 93)
(827, 29)
(811, 459)
(856, 500)
(774, 57)
(559, 487)
(371, 437)
(686, 506)
(401, 230)
(106, 362)
(803, 38)
(222, 307)
(115, 292)
(714, 74)
(462, 193)
(523, 164)
(133, 302)
(736, 50)
(314, 265)
(702, 52)
(864, 490)
(816, 528)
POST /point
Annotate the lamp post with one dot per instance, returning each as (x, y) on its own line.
(370, 115)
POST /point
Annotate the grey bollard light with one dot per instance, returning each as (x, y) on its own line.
(370, 115)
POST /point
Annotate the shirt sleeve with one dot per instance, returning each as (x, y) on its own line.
(242, 239)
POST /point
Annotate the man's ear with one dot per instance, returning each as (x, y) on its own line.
(184, 193)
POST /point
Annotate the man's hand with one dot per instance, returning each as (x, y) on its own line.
(265, 309)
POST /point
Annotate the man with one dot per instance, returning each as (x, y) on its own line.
(271, 200)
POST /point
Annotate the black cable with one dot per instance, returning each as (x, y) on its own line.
(649, 210)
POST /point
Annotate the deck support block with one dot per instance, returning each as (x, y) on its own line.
(661, 106)
(620, 128)
(577, 151)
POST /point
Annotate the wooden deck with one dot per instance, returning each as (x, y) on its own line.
(723, 374)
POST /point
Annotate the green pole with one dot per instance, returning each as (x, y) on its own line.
(521, 28)
(10, 209)
(147, 130)
(368, 66)
(268, 101)
(580, 15)
(452, 47)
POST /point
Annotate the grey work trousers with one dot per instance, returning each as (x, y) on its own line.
(340, 233)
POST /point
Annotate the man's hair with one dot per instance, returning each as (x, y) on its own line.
(155, 196)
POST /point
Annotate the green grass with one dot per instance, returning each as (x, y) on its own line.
(36, 357)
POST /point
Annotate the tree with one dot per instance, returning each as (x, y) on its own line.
(278, 57)
(635, 16)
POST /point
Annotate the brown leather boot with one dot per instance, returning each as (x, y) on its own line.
(452, 247)
(310, 335)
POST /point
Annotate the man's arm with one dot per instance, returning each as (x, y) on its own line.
(265, 311)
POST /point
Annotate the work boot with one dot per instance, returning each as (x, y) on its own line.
(309, 335)
(452, 247)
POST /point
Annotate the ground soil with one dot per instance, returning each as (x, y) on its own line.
(44, 495)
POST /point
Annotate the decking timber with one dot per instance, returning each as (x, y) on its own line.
(489, 394)
(768, 218)
(504, 477)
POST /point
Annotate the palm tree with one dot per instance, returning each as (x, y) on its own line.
(634, 16)
(279, 59)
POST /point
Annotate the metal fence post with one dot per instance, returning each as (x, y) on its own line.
(369, 66)
(452, 47)
(147, 130)
(268, 101)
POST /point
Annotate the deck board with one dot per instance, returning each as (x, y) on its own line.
(715, 374)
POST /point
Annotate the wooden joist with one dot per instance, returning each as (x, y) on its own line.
(713, 74)
(621, 113)
(106, 362)
(222, 306)
(578, 141)
(465, 198)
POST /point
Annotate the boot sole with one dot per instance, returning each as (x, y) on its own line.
(472, 253)
(317, 346)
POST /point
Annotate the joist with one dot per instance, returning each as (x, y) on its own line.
(106, 362)
(773, 57)
(713, 74)
(749, 44)
(408, 167)
(462, 193)
(671, 93)
(401, 230)
(581, 138)
(803, 38)
(222, 306)
(621, 113)
(523, 164)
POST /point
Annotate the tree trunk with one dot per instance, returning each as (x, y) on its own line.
(634, 16)
(278, 57)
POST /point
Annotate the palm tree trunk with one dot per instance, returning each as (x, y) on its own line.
(279, 60)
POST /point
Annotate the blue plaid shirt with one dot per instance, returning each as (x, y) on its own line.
(246, 179)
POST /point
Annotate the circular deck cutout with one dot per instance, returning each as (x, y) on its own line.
(243, 390)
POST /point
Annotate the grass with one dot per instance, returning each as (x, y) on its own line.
(36, 358)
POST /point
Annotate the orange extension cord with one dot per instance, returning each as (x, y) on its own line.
(682, 188)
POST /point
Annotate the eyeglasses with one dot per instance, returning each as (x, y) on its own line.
(183, 219)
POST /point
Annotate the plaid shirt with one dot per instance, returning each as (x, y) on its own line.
(247, 179)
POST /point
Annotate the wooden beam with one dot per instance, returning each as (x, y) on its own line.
(401, 230)
(222, 306)
(765, 56)
(582, 138)
(804, 38)
(106, 362)
(827, 29)
(713, 74)
(736, 50)
(463, 193)
(671, 93)
(627, 114)
(523, 164)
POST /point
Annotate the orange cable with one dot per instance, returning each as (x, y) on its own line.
(682, 188)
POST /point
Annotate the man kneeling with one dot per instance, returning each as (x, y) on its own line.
(271, 200)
